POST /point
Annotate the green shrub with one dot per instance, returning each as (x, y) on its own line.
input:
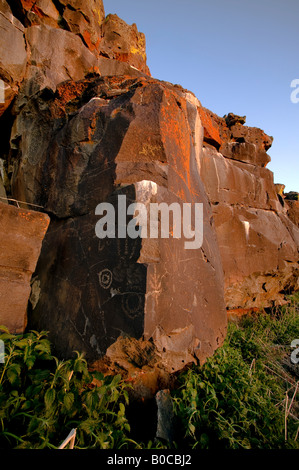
(237, 398)
(43, 398)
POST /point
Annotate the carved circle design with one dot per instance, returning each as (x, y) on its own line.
(105, 278)
(131, 304)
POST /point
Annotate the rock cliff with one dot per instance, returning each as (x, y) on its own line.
(85, 123)
(257, 229)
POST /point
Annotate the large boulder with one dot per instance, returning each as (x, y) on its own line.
(21, 235)
(100, 139)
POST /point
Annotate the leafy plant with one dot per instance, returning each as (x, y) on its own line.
(242, 397)
(238, 398)
(42, 398)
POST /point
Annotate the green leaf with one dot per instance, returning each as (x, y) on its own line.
(4, 328)
(191, 428)
(30, 362)
(13, 373)
(22, 343)
(98, 376)
(49, 398)
(122, 409)
(43, 346)
(68, 400)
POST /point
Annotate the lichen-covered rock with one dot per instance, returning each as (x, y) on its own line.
(124, 43)
(133, 137)
(85, 19)
(81, 18)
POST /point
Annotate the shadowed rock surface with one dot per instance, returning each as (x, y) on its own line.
(120, 136)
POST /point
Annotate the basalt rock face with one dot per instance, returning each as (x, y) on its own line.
(88, 125)
(138, 138)
(44, 43)
(257, 232)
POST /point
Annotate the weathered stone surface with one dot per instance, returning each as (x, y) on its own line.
(257, 241)
(51, 42)
(13, 56)
(56, 55)
(247, 144)
(85, 19)
(293, 211)
(79, 17)
(21, 236)
(252, 135)
(211, 129)
(231, 119)
(234, 140)
(280, 188)
(2, 191)
(2, 186)
(245, 152)
(134, 137)
(233, 182)
(166, 416)
(259, 250)
(32, 12)
(124, 43)
(255, 227)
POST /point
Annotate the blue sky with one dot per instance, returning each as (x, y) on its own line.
(235, 55)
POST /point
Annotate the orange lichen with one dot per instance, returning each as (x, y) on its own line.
(211, 131)
(176, 136)
(240, 312)
(28, 4)
(69, 91)
(90, 44)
